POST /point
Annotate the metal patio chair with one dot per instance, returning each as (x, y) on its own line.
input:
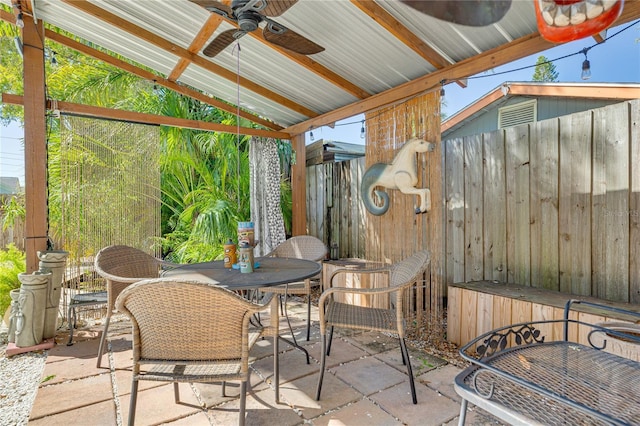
(300, 247)
(189, 331)
(122, 266)
(401, 276)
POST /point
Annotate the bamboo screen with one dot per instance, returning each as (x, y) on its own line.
(109, 175)
(401, 232)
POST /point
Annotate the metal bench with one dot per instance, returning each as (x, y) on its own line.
(524, 377)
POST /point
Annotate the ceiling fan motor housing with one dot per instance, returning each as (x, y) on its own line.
(248, 21)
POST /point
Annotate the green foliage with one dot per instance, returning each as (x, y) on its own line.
(204, 175)
(12, 263)
(13, 210)
(545, 71)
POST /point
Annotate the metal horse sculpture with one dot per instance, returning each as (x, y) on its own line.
(401, 174)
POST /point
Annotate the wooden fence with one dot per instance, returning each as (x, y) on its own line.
(335, 213)
(554, 204)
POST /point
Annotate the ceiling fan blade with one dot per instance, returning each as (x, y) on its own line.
(474, 13)
(289, 39)
(277, 7)
(223, 40)
(215, 7)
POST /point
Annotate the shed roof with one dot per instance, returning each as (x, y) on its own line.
(375, 52)
(9, 185)
(501, 94)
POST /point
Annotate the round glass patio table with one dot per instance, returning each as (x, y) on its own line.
(272, 271)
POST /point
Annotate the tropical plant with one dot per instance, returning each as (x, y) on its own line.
(12, 263)
(204, 175)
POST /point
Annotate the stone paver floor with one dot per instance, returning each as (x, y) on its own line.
(366, 384)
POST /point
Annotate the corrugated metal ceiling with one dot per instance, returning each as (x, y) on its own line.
(357, 48)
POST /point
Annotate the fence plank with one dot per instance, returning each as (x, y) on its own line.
(574, 224)
(634, 205)
(544, 204)
(611, 128)
(455, 202)
(517, 167)
(495, 232)
(473, 208)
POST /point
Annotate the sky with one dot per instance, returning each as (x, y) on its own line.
(617, 60)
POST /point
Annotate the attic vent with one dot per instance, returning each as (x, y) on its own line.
(522, 113)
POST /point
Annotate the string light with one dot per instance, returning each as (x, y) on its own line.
(362, 132)
(586, 66)
(311, 134)
(442, 83)
(19, 21)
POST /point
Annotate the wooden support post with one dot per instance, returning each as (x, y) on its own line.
(299, 187)
(35, 147)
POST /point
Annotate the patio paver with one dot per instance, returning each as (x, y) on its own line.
(366, 383)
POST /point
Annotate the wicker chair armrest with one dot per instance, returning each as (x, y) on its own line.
(383, 270)
(166, 265)
(381, 290)
(116, 278)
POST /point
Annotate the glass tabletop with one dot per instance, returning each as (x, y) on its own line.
(272, 271)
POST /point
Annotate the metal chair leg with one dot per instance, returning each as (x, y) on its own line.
(330, 340)
(308, 315)
(323, 359)
(403, 348)
(102, 340)
(132, 404)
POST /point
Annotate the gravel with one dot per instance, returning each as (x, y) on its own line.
(20, 376)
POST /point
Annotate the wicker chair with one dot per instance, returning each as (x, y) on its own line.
(122, 266)
(299, 247)
(189, 331)
(401, 276)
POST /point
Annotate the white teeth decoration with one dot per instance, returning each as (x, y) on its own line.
(578, 13)
(562, 18)
(548, 11)
(594, 8)
(574, 14)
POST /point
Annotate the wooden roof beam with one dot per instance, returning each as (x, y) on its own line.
(84, 49)
(144, 118)
(308, 63)
(402, 33)
(517, 49)
(166, 45)
(207, 30)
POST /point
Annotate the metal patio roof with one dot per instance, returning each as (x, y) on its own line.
(376, 52)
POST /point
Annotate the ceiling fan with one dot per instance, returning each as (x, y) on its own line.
(248, 14)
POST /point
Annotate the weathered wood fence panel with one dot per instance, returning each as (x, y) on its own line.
(334, 207)
(553, 205)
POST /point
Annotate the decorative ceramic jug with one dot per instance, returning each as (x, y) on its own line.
(230, 256)
(54, 262)
(29, 325)
(245, 259)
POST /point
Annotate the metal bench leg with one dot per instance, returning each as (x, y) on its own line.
(463, 412)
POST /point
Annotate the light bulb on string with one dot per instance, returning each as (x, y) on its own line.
(586, 67)
(19, 21)
(442, 82)
(311, 136)
(362, 132)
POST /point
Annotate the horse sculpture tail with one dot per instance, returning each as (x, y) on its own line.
(369, 181)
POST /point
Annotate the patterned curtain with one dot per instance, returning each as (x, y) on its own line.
(266, 214)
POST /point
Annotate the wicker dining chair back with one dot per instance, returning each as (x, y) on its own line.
(188, 331)
(122, 266)
(401, 276)
(300, 247)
